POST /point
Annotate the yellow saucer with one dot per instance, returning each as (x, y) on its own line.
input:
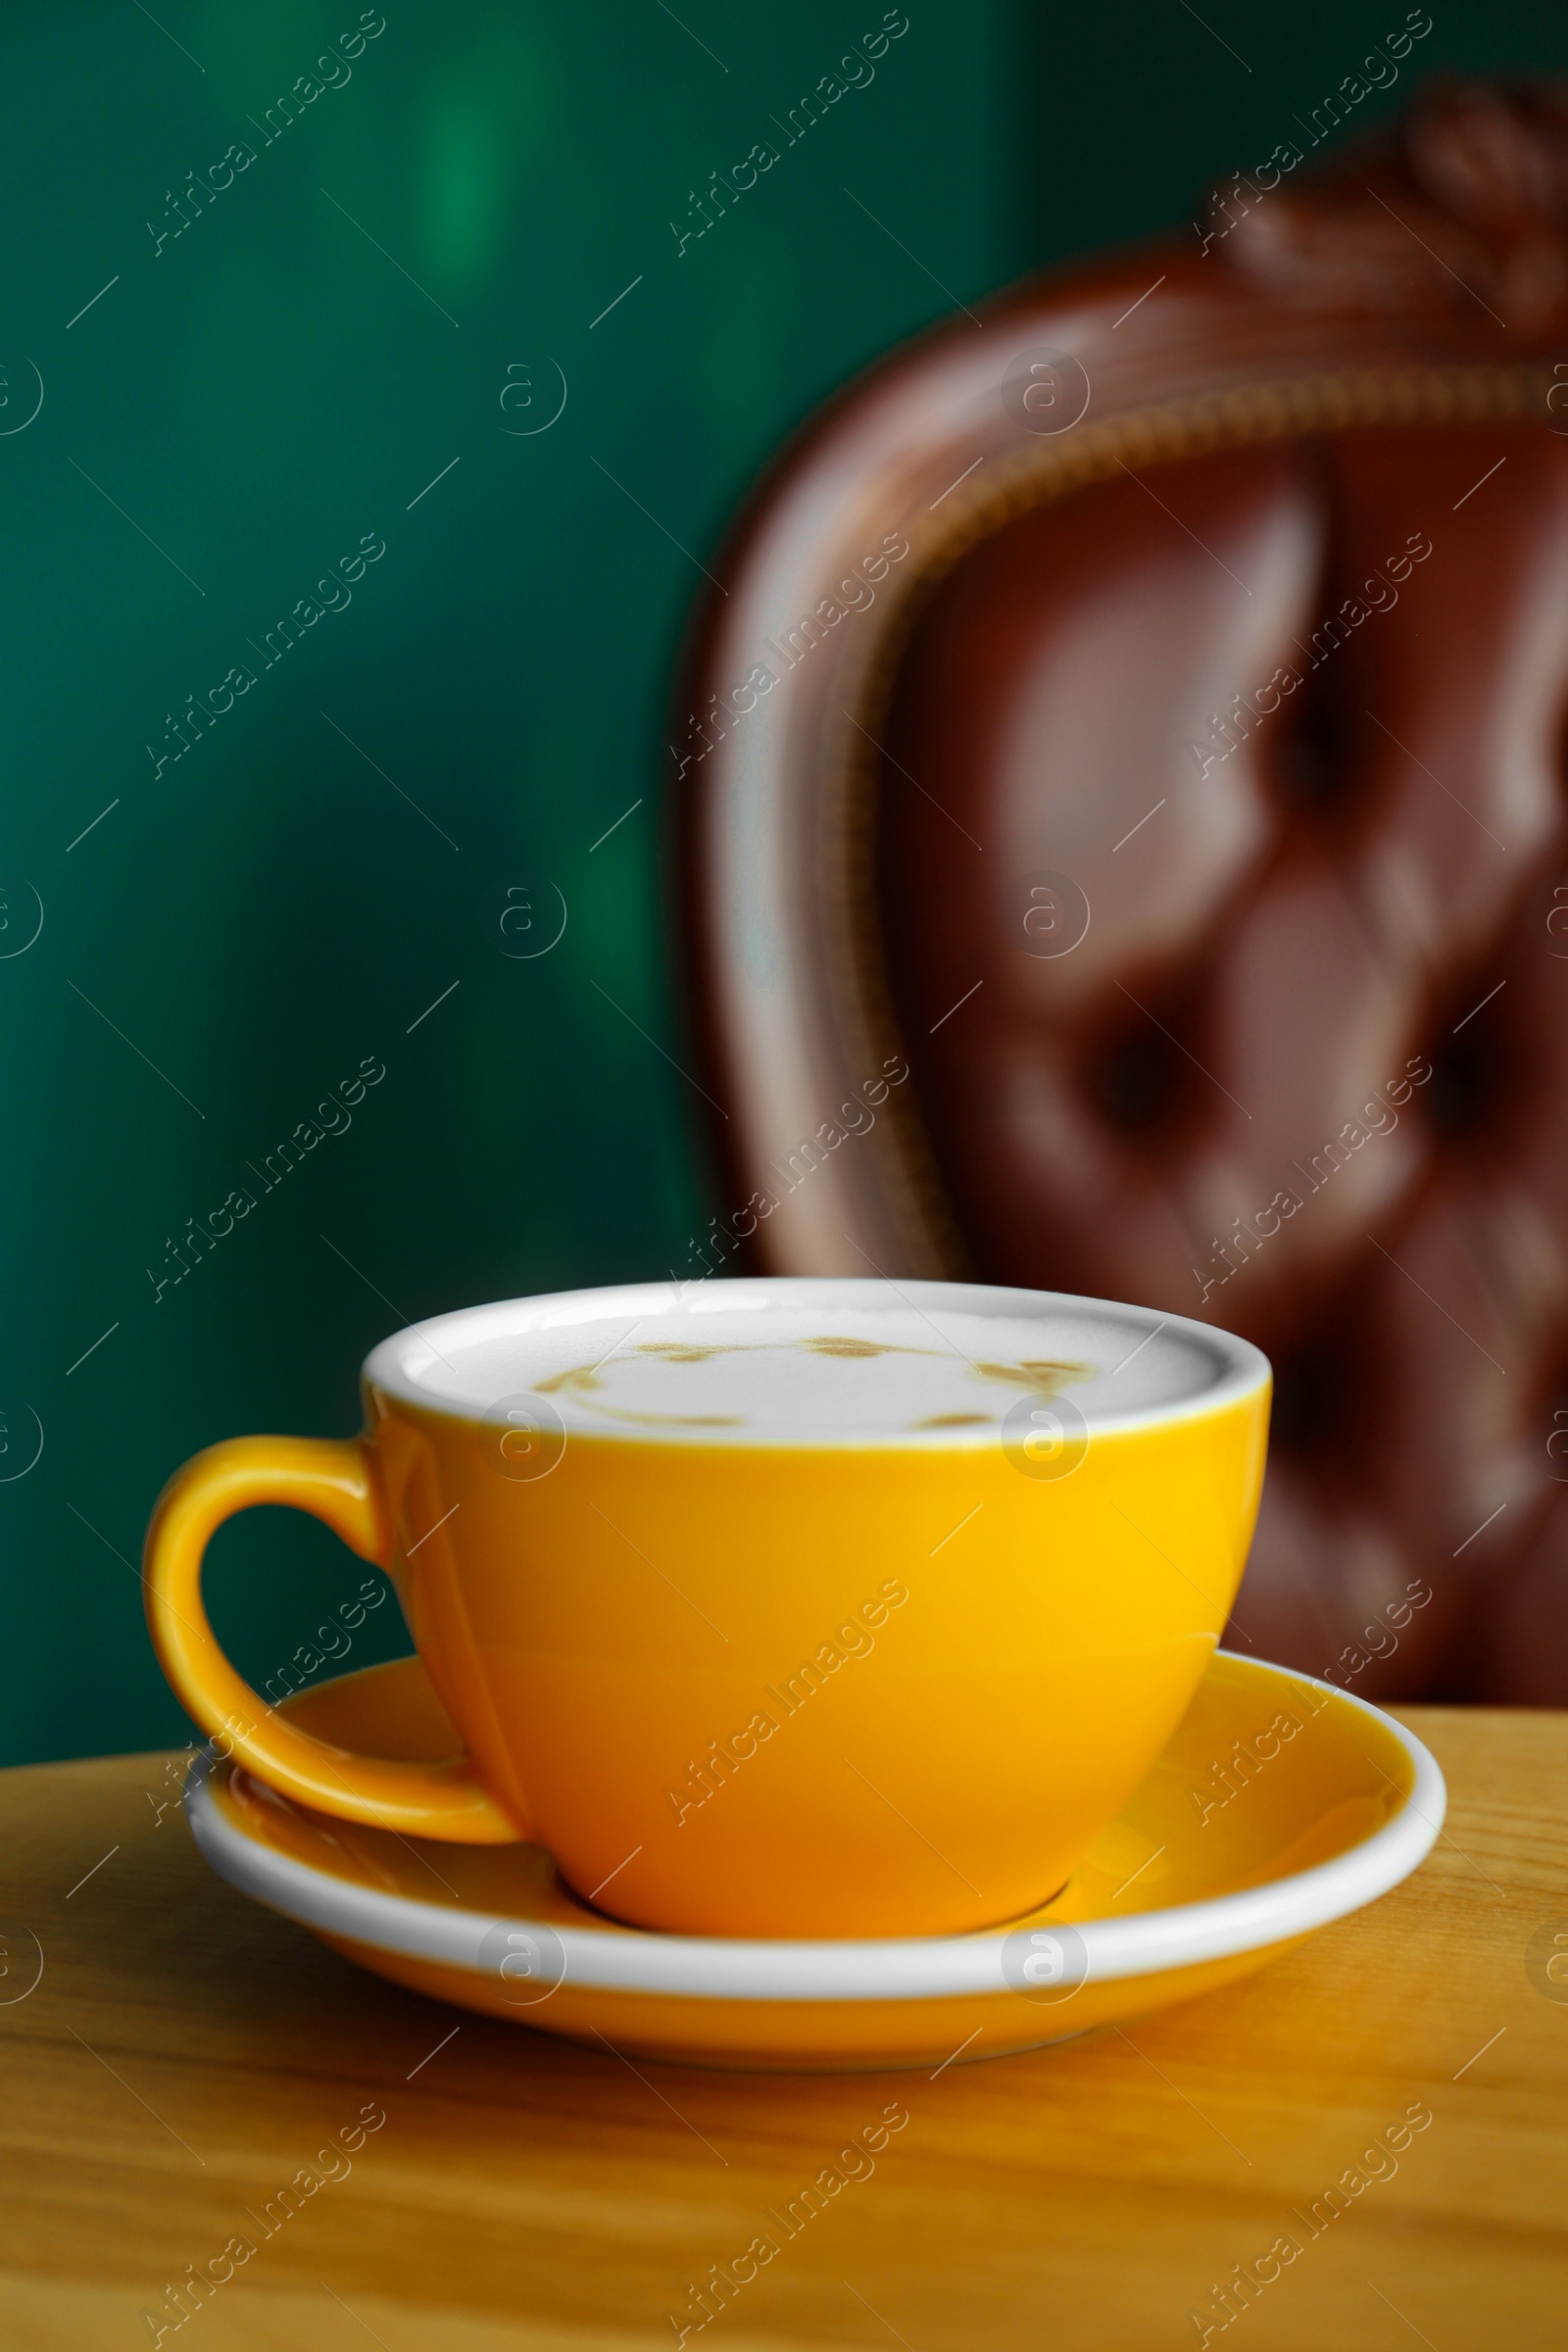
(1279, 1803)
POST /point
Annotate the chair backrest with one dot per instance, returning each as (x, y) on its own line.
(1123, 849)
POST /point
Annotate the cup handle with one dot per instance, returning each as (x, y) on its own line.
(338, 1481)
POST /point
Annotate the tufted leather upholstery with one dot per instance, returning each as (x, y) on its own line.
(1305, 1071)
(1276, 960)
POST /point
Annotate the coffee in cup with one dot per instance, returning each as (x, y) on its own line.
(788, 1608)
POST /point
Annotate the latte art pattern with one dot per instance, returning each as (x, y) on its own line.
(594, 1384)
(821, 1373)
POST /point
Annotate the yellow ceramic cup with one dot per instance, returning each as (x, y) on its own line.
(853, 1686)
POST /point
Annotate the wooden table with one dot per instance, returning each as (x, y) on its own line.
(185, 2053)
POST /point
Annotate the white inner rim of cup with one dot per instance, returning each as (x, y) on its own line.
(396, 1368)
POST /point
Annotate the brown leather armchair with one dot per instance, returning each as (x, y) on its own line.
(1123, 850)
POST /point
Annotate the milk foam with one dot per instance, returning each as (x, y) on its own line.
(804, 1362)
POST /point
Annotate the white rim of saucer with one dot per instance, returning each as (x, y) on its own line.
(393, 1367)
(635, 1960)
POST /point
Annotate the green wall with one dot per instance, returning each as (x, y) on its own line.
(231, 934)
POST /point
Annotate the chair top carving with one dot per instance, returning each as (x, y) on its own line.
(1465, 201)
